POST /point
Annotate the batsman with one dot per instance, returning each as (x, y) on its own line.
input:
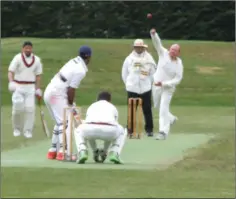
(60, 94)
(101, 123)
(24, 75)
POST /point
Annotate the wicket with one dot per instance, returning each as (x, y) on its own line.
(134, 106)
(69, 119)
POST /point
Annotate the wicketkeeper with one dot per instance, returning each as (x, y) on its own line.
(60, 94)
(101, 123)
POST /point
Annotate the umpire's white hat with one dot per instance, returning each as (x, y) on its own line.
(140, 43)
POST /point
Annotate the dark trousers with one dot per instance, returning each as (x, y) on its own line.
(147, 110)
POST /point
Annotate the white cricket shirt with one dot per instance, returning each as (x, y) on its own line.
(169, 72)
(28, 71)
(137, 72)
(102, 111)
(73, 71)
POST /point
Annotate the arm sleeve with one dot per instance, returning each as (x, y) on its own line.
(39, 69)
(177, 79)
(14, 64)
(125, 71)
(153, 64)
(157, 44)
(76, 79)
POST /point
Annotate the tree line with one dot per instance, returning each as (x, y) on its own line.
(192, 20)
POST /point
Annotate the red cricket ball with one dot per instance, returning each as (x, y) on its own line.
(149, 15)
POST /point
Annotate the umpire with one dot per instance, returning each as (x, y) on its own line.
(137, 72)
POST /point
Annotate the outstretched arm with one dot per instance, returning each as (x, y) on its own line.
(157, 42)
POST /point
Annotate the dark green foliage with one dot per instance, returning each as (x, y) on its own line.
(210, 20)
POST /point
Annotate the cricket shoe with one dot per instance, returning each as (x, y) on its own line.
(115, 158)
(28, 134)
(60, 156)
(16, 133)
(161, 136)
(82, 157)
(52, 155)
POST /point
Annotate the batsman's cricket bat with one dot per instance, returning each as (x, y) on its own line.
(45, 127)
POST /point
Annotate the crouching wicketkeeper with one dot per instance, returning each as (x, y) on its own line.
(101, 123)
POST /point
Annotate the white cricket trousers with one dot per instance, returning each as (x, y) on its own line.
(23, 107)
(162, 99)
(56, 101)
(113, 136)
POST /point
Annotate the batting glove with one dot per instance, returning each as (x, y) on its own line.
(12, 86)
(39, 93)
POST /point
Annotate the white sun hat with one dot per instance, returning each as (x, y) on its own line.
(140, 43)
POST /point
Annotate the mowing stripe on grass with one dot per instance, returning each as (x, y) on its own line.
(146, 153)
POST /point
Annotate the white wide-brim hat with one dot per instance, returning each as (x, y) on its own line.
(140, 43)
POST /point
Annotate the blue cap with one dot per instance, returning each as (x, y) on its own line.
(85, 51)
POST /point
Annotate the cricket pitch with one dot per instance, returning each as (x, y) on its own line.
(146, 153)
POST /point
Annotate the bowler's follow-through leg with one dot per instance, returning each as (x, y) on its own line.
(164, 116)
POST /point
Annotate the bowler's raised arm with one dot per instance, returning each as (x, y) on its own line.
(157, 42)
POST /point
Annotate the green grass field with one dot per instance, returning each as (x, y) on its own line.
(196, 161)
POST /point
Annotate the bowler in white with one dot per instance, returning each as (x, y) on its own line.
(60, 94)
(24, 76)
(101, 123)
(168, 75)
